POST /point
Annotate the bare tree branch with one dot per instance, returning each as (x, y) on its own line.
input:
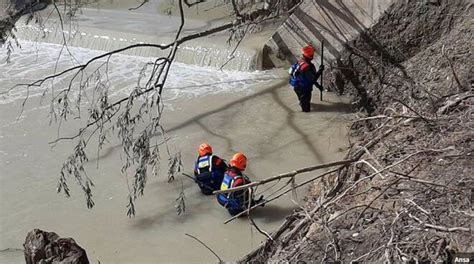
(281, 194)
(287, 175)
(140, 5)
(206, 246)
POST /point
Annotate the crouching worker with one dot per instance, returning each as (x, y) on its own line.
(237, 201)
(208, 170)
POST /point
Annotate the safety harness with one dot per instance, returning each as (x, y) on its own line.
(204, 164)
(229, 200)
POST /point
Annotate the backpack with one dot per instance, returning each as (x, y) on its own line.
(296, 78)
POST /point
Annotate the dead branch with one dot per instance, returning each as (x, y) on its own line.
(190, 4)
(336, 215)
(414, 179)
(443, 52)
(372, 201)
(283, 193)
(344, 193)
(440, 228)
(360, 152)
(303, 222)
(206, 246)
(330, 200)
(287, 175)
(236, 9)
(452, 103)
(372, 167)
(427, 120)
(334, 243)
(385, 116)
(306, 213)
(269, 237)
(140, 5)
(357, 155)
(417, 206)
(283, 227)
(447, 229)
(231, 56)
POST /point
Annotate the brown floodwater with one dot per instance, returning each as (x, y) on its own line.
(253, 112)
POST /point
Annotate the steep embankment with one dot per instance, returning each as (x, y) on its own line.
(409, 197)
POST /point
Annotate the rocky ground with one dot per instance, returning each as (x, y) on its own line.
(408, 198)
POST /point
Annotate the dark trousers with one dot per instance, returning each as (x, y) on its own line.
(206, 182)
(235, 211)
(304, 96)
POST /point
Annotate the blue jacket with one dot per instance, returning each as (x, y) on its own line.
(209, 171)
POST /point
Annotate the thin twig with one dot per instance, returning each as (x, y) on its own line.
(261, 231)
(140, 5)
(202, 243)
(460, 87)
(447, 229)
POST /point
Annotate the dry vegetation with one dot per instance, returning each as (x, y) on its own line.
(409, 197)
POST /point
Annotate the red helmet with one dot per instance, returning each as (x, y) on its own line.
(204, 149)
(239, 161)
(308, 51)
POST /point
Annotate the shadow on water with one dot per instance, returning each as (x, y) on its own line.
(237, 104)
(335, 107)
(272, 213)
(168, 217)
(267, 215)
(290, 121)
(196, 119)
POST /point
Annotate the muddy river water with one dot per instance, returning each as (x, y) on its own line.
(253, 112)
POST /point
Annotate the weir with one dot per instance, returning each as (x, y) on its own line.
(334, 22)
(89, 31)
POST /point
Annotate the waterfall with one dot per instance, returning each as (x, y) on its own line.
(213, 55)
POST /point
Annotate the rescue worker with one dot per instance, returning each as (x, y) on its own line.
(304, 76)
(208, 170)
(237, 201)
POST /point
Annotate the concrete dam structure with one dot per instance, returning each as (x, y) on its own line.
(333, 21)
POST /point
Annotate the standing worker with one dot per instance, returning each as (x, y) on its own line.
(208, 170)
(237, 201)
(304, 76)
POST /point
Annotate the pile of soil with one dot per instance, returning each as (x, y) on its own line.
(409, 197)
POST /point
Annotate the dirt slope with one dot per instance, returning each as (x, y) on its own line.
(411, 75)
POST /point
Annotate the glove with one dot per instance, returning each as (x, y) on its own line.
(260, 200)
(321, 67)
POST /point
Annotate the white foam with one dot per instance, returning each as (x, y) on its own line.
(36, 60)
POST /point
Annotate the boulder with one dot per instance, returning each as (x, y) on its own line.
(43, 247)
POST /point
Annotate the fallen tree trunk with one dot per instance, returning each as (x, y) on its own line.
(47, 247)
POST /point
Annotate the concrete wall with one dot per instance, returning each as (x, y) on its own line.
(334, 21)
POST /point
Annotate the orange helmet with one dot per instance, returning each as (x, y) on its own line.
(308, 51)
(204, 149)
(239, 161)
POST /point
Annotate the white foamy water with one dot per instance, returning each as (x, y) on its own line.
(36, 60)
